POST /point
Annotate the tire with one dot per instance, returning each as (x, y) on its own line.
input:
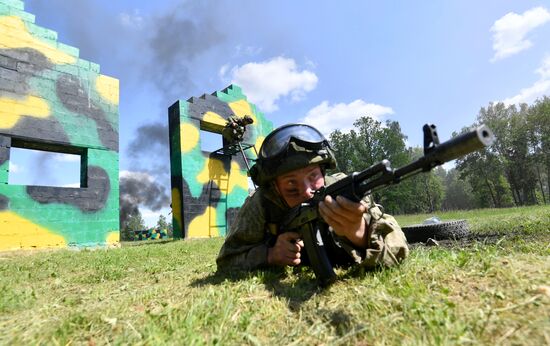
(438, 231)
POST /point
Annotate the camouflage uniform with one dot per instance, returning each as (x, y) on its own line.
(251, 234)
(235, 128)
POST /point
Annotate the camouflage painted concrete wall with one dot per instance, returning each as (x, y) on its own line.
(150, 234)
(208, 188)
(52, 100)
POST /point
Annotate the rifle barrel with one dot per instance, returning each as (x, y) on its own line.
(450, 150)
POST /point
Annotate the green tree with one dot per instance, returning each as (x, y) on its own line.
(343, 150)
(425, 191)
(458, 193)
(512, 147)
(134, 222)
(538, 124)
(371, 142)
(483, 171)
(162, 223)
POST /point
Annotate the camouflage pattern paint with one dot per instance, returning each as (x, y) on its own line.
(150, 234)
(52, 100)
(209, 188)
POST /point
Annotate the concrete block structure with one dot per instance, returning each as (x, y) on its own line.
(208, 188)
(52, 100)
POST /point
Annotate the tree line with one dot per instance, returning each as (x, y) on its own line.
(135, 222)
(514, 171)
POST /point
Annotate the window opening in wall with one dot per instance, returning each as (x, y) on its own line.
(210, 141)
(44, 168)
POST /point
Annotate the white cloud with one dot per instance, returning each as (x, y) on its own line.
(223, 71)
(530, 94)
(540, 88)
(136, 175)
(544, 69)
(327, 118)
(509, 32)
(66, 157)
(265, 83)
(132, 20)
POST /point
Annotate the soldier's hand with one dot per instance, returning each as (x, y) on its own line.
(346, 218)
(286, 250)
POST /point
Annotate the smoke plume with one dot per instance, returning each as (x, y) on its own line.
(176, 47)
(174, 50)
(140, 189)
(150, 137)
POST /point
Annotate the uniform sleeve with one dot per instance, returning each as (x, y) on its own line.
(387, 245)
(245, 247)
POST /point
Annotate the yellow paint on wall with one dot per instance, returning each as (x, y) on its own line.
(214, 118)
(258, 144)
(176, 207)
(200, 227)
(17, 232)
(237, 178)
(214, 170)
(189, 137)
(11, 110)
(242, 108)
(113, 238)
(108, 88)
(15, 35)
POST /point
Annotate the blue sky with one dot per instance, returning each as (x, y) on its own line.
(323, 62)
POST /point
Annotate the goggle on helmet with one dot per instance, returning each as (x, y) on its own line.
(290, 147)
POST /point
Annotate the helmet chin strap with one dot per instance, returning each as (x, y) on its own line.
(278, 193)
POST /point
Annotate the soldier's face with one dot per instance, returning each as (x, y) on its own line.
(299, 185)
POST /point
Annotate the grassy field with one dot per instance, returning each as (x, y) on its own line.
(484, 293)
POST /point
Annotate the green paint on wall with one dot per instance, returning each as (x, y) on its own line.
(4, 172)
(74, 117)
(196, 169)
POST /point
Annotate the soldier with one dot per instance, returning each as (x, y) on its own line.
(291, 166)
(234, 130)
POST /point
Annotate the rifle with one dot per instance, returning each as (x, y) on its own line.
(305, 219)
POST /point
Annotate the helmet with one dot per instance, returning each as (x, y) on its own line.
(291, 147)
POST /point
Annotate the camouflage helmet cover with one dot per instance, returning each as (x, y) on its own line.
(290, 147)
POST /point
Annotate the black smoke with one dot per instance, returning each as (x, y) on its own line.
(178, 39)
(177, 45)
(149, 153)
(150, 137)
(150, 145)
(43, 162)
(138, 189)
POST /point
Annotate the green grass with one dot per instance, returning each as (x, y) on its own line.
(522, 219)
(169, 293)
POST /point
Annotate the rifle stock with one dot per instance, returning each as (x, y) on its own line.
(305, 218)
